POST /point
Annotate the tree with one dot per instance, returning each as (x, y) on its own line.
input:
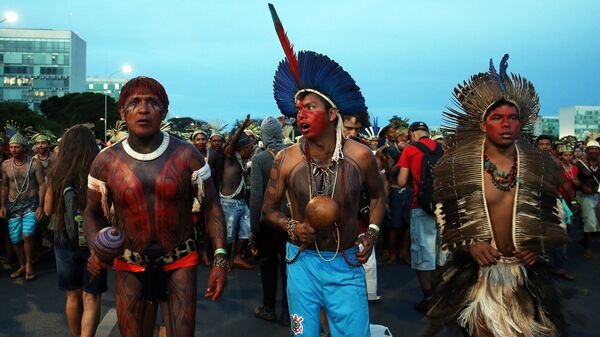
(80, 108)
(22, 115)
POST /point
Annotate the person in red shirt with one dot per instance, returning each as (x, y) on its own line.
(423, 230)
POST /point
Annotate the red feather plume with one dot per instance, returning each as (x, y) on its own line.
(288, 48)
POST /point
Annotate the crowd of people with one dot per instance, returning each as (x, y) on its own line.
(317, 213)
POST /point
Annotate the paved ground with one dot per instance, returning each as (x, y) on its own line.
(36, 308)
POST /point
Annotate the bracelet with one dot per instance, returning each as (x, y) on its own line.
(374, 227)
(373, 233)
(220, 251)
(221, 261)
(291, 224)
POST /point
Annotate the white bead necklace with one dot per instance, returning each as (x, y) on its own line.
(147, 156)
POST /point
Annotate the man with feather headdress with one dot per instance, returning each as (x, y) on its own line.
(494, 285)
(324, 266)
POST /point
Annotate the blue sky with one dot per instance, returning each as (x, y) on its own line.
(217, 58)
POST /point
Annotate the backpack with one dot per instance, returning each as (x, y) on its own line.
(73, 218)
(425, 193)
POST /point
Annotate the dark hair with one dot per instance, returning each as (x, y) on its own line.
(78, 149)
(305, 93)
(498, 104)
(361, 117)
(143, 82)
(543, 137)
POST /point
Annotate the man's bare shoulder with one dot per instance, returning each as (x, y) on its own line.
(290, 155)
(358, 151)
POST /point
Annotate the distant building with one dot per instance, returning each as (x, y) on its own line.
(575, 120)
(39, 63)
(103, 85)
(547, 125)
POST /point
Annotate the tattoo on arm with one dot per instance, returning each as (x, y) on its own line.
(94, 219)
(215, 220)
(274, 193)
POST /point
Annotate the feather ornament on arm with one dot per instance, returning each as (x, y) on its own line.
(288, 48)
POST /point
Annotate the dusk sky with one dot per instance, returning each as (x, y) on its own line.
(217, 59)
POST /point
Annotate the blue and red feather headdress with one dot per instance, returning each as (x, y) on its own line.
(312, 72)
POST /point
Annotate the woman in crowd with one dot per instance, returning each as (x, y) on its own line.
(65, 198)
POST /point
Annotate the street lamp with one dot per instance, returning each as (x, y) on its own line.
(9, 17)
(125, 69)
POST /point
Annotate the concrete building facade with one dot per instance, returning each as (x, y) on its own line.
(577, 119)
(103, 85)
(39, 63)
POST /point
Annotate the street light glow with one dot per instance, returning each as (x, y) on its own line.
(10, 17)
(126, 69)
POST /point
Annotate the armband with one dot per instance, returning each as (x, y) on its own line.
(100, 187)
(198, 178)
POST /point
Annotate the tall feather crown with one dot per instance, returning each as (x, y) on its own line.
(315, 73)
(474, 97)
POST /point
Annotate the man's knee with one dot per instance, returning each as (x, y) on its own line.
(90, 299)
(27, 237)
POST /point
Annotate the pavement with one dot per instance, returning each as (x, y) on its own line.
(36, 308)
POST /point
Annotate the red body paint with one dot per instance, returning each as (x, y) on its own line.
(127, 191)
(312, 117)
(502, 125)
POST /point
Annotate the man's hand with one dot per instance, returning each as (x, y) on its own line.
(95, 266)
(367, 243)
(39, 214)
(217, 279)
(484, 254)
(305, 232)
(527, 257)
(3, 212)
(246, 121)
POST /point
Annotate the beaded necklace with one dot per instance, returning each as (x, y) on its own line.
(502, 181)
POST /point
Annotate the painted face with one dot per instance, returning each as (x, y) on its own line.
(312, 118)
(16, 150)
(42, 146)
(143, 112)
(544, 145)
(566, 157)
(200, 141)
(216, 143)
(351, 127)
(502, 126)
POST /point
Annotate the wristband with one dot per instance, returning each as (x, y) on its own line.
(221, 261)
(220, 251)
(291, 224)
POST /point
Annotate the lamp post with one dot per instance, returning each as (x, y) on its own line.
(9, 17)
(125, 69)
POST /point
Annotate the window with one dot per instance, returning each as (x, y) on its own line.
(51, 71)
(91, 86)
(116, 86)
(18, 70)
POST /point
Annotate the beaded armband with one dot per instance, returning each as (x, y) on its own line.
(221, 261)
(291, 224)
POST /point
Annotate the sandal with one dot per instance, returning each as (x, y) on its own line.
(20, 272)
(30, 276)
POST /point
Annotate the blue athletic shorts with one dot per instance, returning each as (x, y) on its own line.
(71, 268)
(20, 225)
(337, 287)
